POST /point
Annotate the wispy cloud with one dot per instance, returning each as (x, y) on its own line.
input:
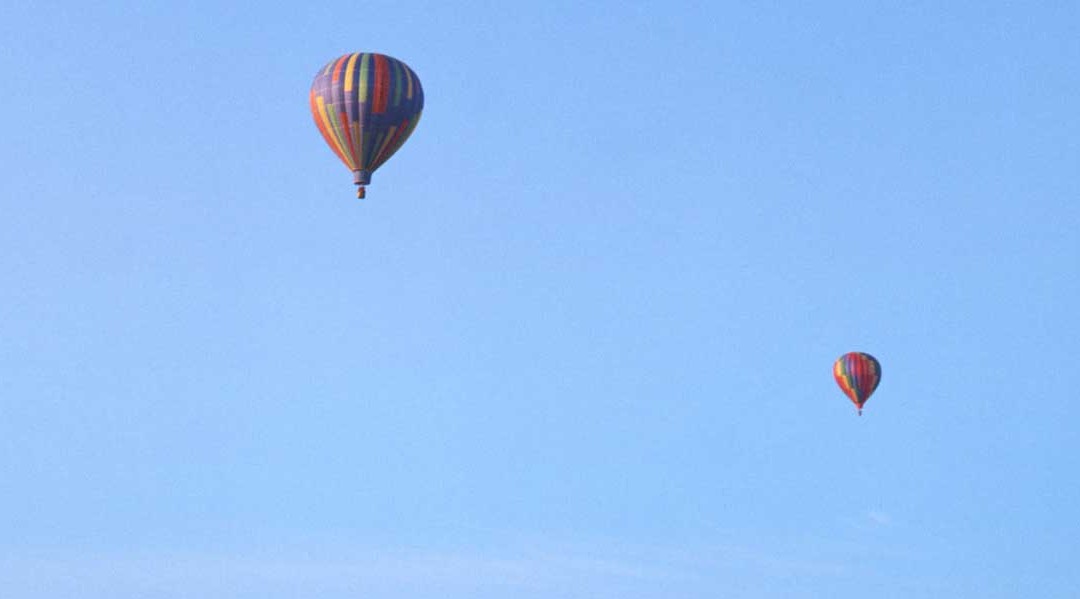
(524, 570)
(879, 517)
(325, 574)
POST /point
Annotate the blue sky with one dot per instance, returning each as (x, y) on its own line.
(578, 340)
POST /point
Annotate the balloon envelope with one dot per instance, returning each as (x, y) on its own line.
(858, 374)
(366, 105)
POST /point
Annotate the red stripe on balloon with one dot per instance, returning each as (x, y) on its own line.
(382, 84)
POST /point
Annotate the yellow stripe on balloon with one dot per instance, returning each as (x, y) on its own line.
(333, 128)
(349, 72)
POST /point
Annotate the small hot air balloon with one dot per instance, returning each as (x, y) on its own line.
(858, 374)
(366, 105)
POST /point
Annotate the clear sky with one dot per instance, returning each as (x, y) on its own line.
(578, 340)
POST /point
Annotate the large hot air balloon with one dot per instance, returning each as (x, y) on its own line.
(858, 374)
(366, 105)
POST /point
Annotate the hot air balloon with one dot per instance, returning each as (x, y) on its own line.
(366, 105)
(858, 374)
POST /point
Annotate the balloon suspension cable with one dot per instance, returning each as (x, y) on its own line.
(360, 192)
